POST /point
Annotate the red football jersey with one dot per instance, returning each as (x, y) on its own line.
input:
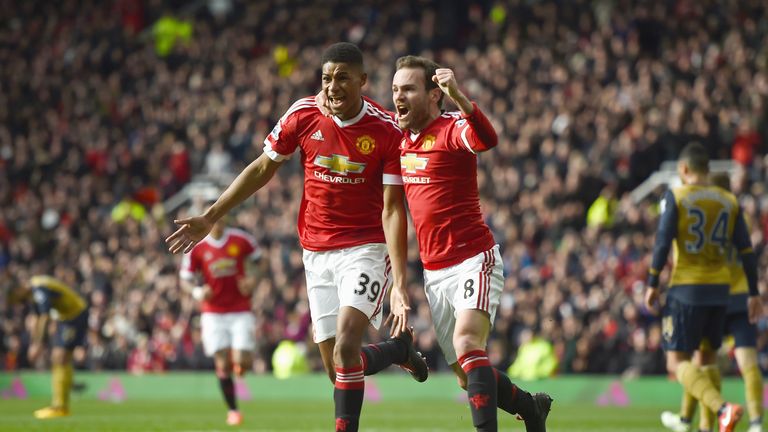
(221, 262)
(345, 162)
(439, 168)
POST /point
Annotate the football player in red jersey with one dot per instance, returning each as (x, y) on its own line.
(352, 225)
(463, 270)
(225, 262)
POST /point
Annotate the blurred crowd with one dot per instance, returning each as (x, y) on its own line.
(107, 109)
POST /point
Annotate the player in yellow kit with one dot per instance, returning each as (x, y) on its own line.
(700, 222)
(53, 299)
(744, 336)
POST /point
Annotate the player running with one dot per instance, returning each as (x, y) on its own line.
(226, 263)
(352, 226)
(744, 334)
(701, 222)
(463, 269)
(53, 299)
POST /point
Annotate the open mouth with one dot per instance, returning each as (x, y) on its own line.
(336, 101)
(402, 111)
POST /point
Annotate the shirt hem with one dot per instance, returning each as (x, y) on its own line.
(439, 265)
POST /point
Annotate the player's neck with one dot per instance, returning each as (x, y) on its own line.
(352, 113)
(434, 113)
(217, 234)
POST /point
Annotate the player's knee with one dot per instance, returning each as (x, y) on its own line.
(672, 364)
(346, 354)
(746, 357)
(223, 367)
(464, 343)
(59, 356)
(241, 364)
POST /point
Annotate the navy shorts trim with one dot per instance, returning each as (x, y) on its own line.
(684, 326)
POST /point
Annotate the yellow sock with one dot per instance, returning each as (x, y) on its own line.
(687, 406)
(707, 418)
(69, 373)
(699, 385)
(58, 385)
(753, 385)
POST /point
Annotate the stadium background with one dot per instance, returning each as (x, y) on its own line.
(109, 109)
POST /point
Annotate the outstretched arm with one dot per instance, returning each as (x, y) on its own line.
(194, 229)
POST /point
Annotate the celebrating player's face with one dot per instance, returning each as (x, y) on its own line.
(342, 83)
(411, 97)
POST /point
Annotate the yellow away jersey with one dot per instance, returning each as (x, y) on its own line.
(706, 216)
(51, 293)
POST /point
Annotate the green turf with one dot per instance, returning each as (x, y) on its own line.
(88, 415)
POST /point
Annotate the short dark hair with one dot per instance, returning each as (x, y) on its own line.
(343, 52)
(428, 66)
(696, 157)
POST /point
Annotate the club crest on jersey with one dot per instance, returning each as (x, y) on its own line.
(412, 163)
(365, 144)
(340, 164)
(428, 142)
(233, 250)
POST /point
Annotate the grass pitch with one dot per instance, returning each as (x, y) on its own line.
(208, 416)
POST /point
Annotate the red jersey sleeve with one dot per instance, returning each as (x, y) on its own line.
(280, 144)
(474, 132)
(392, 174)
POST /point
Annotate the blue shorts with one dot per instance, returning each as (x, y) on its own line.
(72, 333)
(744, 333)
(684, 326)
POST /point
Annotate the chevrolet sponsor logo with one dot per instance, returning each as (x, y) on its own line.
(412, 163)
(339, 164)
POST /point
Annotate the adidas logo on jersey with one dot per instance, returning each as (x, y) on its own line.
(317, 136)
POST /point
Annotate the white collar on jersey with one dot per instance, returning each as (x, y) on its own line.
(219, 242)
(353, 120)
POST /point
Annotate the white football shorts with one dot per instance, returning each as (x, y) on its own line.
(358, 277)
(475, 283)
(235, 330)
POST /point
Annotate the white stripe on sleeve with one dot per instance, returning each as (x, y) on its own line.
(392, 179)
